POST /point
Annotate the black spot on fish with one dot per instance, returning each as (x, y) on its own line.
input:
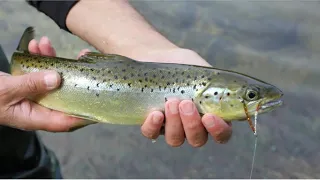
(165, 99)
(146, 79)
(92, 69)
(168, 83)
(115, 77)
(81, 69)
(215, 93)
(40, 66)
(192, 99)
(97, 84)
(177, 80)
(104, 80)
(188, 84)
(145, 86)
(209, 79)
(204, 83)
(129, 84)
(228, 94)
(88, 87)
(160, 88)
(202, 76)
(109, 71)
(206, 97)
(142, 89)
(97, 94)
(124, 77)
(195, 86)
(118, 89)
(94, 78)
(140, 80)
(145, 74)
(151, 90)
(195, 78)
(200, 102)
(174, 90)
(188, 76)
(182, 91)
(123, 70)
(75, 85)
(111, 85)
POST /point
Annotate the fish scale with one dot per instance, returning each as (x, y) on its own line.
(116, 89)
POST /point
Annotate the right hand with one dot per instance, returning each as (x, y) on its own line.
(18, 112)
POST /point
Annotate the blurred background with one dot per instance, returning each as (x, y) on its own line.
(276, 41)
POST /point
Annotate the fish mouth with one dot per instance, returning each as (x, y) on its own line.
(270, 105)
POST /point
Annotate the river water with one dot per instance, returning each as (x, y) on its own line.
(278, 42)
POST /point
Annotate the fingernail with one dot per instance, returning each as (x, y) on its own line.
(45, 40)
(51, 80)
(187, 108)
(209, 121)
(156, 119)
(173, 107)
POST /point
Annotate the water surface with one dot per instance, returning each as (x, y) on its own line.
(278, 42)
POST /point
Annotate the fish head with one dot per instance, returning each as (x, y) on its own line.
(239, 100)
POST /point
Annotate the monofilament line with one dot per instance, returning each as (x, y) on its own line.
(255, 142)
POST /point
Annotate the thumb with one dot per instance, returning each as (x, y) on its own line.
(35, 83)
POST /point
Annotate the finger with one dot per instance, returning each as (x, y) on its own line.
(195, 132)
(34, 47)
(46, 47)
(31, 116)
(82, 52)
(174, 133)
(151, 127)
(217, 128)
(33, 83)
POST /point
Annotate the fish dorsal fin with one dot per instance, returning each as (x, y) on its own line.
(96, 56)
(26, 37)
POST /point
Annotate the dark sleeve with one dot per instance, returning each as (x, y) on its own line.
(56, 10)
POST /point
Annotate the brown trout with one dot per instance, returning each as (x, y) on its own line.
(115, 89)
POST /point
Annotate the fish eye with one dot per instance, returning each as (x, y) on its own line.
(251, 95)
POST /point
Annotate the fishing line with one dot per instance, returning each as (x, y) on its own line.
(255, 142)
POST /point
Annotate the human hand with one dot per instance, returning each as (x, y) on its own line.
(182, 118)
(18, 112)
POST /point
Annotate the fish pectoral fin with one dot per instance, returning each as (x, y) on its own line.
(89, 120)
(96, 56)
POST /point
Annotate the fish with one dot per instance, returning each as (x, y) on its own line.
(115, 89)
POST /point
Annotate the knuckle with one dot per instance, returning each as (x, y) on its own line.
(149, 133)
(32, 85)
(193, 124)
(175, 140)
(198, 140)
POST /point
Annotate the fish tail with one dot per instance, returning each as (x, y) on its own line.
(26, 37)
